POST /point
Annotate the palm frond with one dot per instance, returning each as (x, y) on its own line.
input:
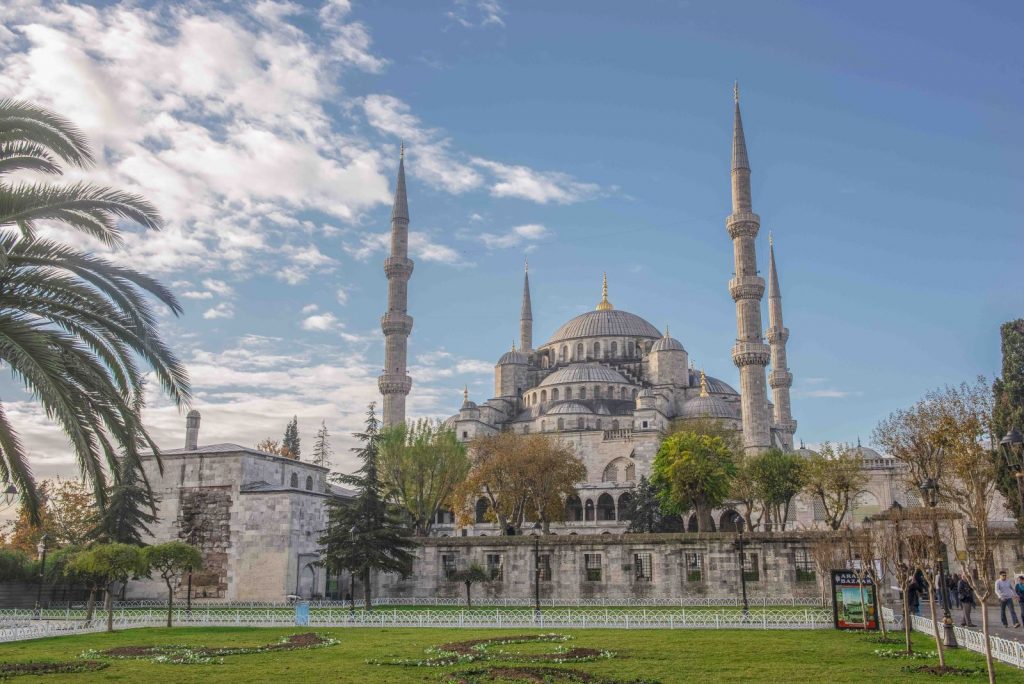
(21, 120)
(25, 155)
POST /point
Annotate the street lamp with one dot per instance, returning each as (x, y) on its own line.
(9, 493)
(536, 569)
(352, 577)
(738, 522)
(41, 547)
(930, 494)
(1013, 452)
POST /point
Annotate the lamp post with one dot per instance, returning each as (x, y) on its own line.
(1013, 452)
(738, 521)
(41, 547)
(10, 491)
(930, 493)
(352, 577)
(536, 569)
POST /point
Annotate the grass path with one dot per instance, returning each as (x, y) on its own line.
(668, 656)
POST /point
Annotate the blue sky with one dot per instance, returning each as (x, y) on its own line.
(884, 139)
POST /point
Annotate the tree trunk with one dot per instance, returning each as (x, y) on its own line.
(863, 605)
(90, 605)
(170, 600)
(906, 620)
(880, 616)
(108, 601)
(704, 521)
(935, 623)
(469, 599)
(989, 665)
(366, 590)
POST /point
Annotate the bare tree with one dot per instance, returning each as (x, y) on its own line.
(871, 567)
(888, 530)
(828, 554)
(919, 544)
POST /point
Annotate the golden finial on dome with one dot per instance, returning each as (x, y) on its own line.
(604, 304)
(666, 332)
(513, 345)
(704, 384)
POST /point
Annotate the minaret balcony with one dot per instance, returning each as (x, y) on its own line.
(398, 267)
(780, 377)
(750, 354)
(742, 224)
(777, 335)
(787, 426)
(746, 287)
(396, 323)
(394, 383)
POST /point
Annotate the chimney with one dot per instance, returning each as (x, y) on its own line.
(192, 430)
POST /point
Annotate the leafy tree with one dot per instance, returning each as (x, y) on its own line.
(420, 466)
(1008, 408)
(366, 533)
(322, 447)
(107, 564)
(643, 509)
(778, 477)
(15, 566)
(693, 471)
(834, 477)
(73, 326)
(473, 574)
(67, 516)
(290, 445)
(130, 508)
(519, 476)
(744, 489)
(171, 560)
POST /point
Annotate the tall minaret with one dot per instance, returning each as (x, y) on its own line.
(394, 383)
(780, 379)
(526, 315)
(750, 353)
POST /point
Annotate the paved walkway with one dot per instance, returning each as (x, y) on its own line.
(995, 627)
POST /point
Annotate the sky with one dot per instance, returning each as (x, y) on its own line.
(591, 137)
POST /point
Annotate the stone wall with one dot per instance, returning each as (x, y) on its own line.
(611, 566)
(204, 520)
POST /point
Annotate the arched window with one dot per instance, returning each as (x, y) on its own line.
(634, 395)
(589, 511)
(583, 392)
(579, 423)
(648, 346)
(625, 500)
(481, 509)
(543, 396)
(611, 392)
(295, 480)
(614, 349)
(597, 350)
(554, 395)
(561, 423)
(605, 507)
(568, 392)
(579, 351)
(309, 483)
(630, 471)
(563, 356)
(632, 349)
(544, 361)
(728, 521)
(615, 424)
(573, 508)
(622, 393)
(611, 472)
(598, 424)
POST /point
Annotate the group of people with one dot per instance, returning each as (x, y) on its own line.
(1007, 592)
(960, 596)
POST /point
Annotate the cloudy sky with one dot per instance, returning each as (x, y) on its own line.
(591, 136)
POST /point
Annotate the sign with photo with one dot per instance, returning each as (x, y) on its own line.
(854, 601)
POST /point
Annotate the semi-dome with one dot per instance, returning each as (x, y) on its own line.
(577, 407)
(667, 343)
(608, 323)
(513, 357)
(707, 407)
(584, 372)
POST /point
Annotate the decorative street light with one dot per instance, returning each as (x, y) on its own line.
(536, 569)
(738, 521)
(930, 494)
(352, 577)
(41, 547)
(1013, 452)
(10, 492)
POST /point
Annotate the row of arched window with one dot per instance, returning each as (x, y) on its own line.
(295, 482)
(630, 349)
(597, 392)
(581, 423)
(605, 509)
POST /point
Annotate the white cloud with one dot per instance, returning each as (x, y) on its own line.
(420, 247)
(309, 308)
(197, 294)
(218, 287)
(342, 296)
(222, 310)
(477, 13)
(516, 236)
(537, 186)
(320, 322)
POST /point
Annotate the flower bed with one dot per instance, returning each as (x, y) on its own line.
(8, 670)
(535, 675)
(202, 655)
(476, 650)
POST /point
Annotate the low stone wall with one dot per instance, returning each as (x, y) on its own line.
(663, 566)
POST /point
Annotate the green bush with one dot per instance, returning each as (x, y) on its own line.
(16, 566)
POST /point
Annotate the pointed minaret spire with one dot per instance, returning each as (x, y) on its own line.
(526, 314)
(604, 304)
(395, 383)
(750, 353)
(780, 379)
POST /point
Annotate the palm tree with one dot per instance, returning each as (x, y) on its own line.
(74, 327)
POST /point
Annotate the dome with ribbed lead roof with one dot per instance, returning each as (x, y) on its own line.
(584, 372)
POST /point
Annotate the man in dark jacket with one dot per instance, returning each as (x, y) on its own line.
(965, 595)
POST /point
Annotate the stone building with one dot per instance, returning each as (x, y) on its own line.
(254, 516)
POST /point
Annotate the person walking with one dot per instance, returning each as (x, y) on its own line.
(1018, 588)
(951, 585)
(965, 596)
(914, 594)
(1006, 595)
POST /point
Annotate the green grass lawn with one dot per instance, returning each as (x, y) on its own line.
(667, 656)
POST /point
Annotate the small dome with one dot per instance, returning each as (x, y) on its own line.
(804, 452)
(667, 344)
(707, 407)
(715, 386)
(513, 357)
(449, 422)
(584, 372)
(867, 453)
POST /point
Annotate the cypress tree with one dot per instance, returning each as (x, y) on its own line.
(290, 444)
(322, 447)
(1008, 411)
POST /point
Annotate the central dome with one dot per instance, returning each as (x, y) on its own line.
(610, 323)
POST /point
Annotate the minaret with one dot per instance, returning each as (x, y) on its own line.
(750, 353)
(526, 315)
(394, 383)
(780, 379)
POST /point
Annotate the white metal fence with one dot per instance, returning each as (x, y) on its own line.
(525, 602)
(19, 627)
(1004, 650)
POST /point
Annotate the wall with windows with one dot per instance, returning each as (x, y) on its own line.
(611, 566)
